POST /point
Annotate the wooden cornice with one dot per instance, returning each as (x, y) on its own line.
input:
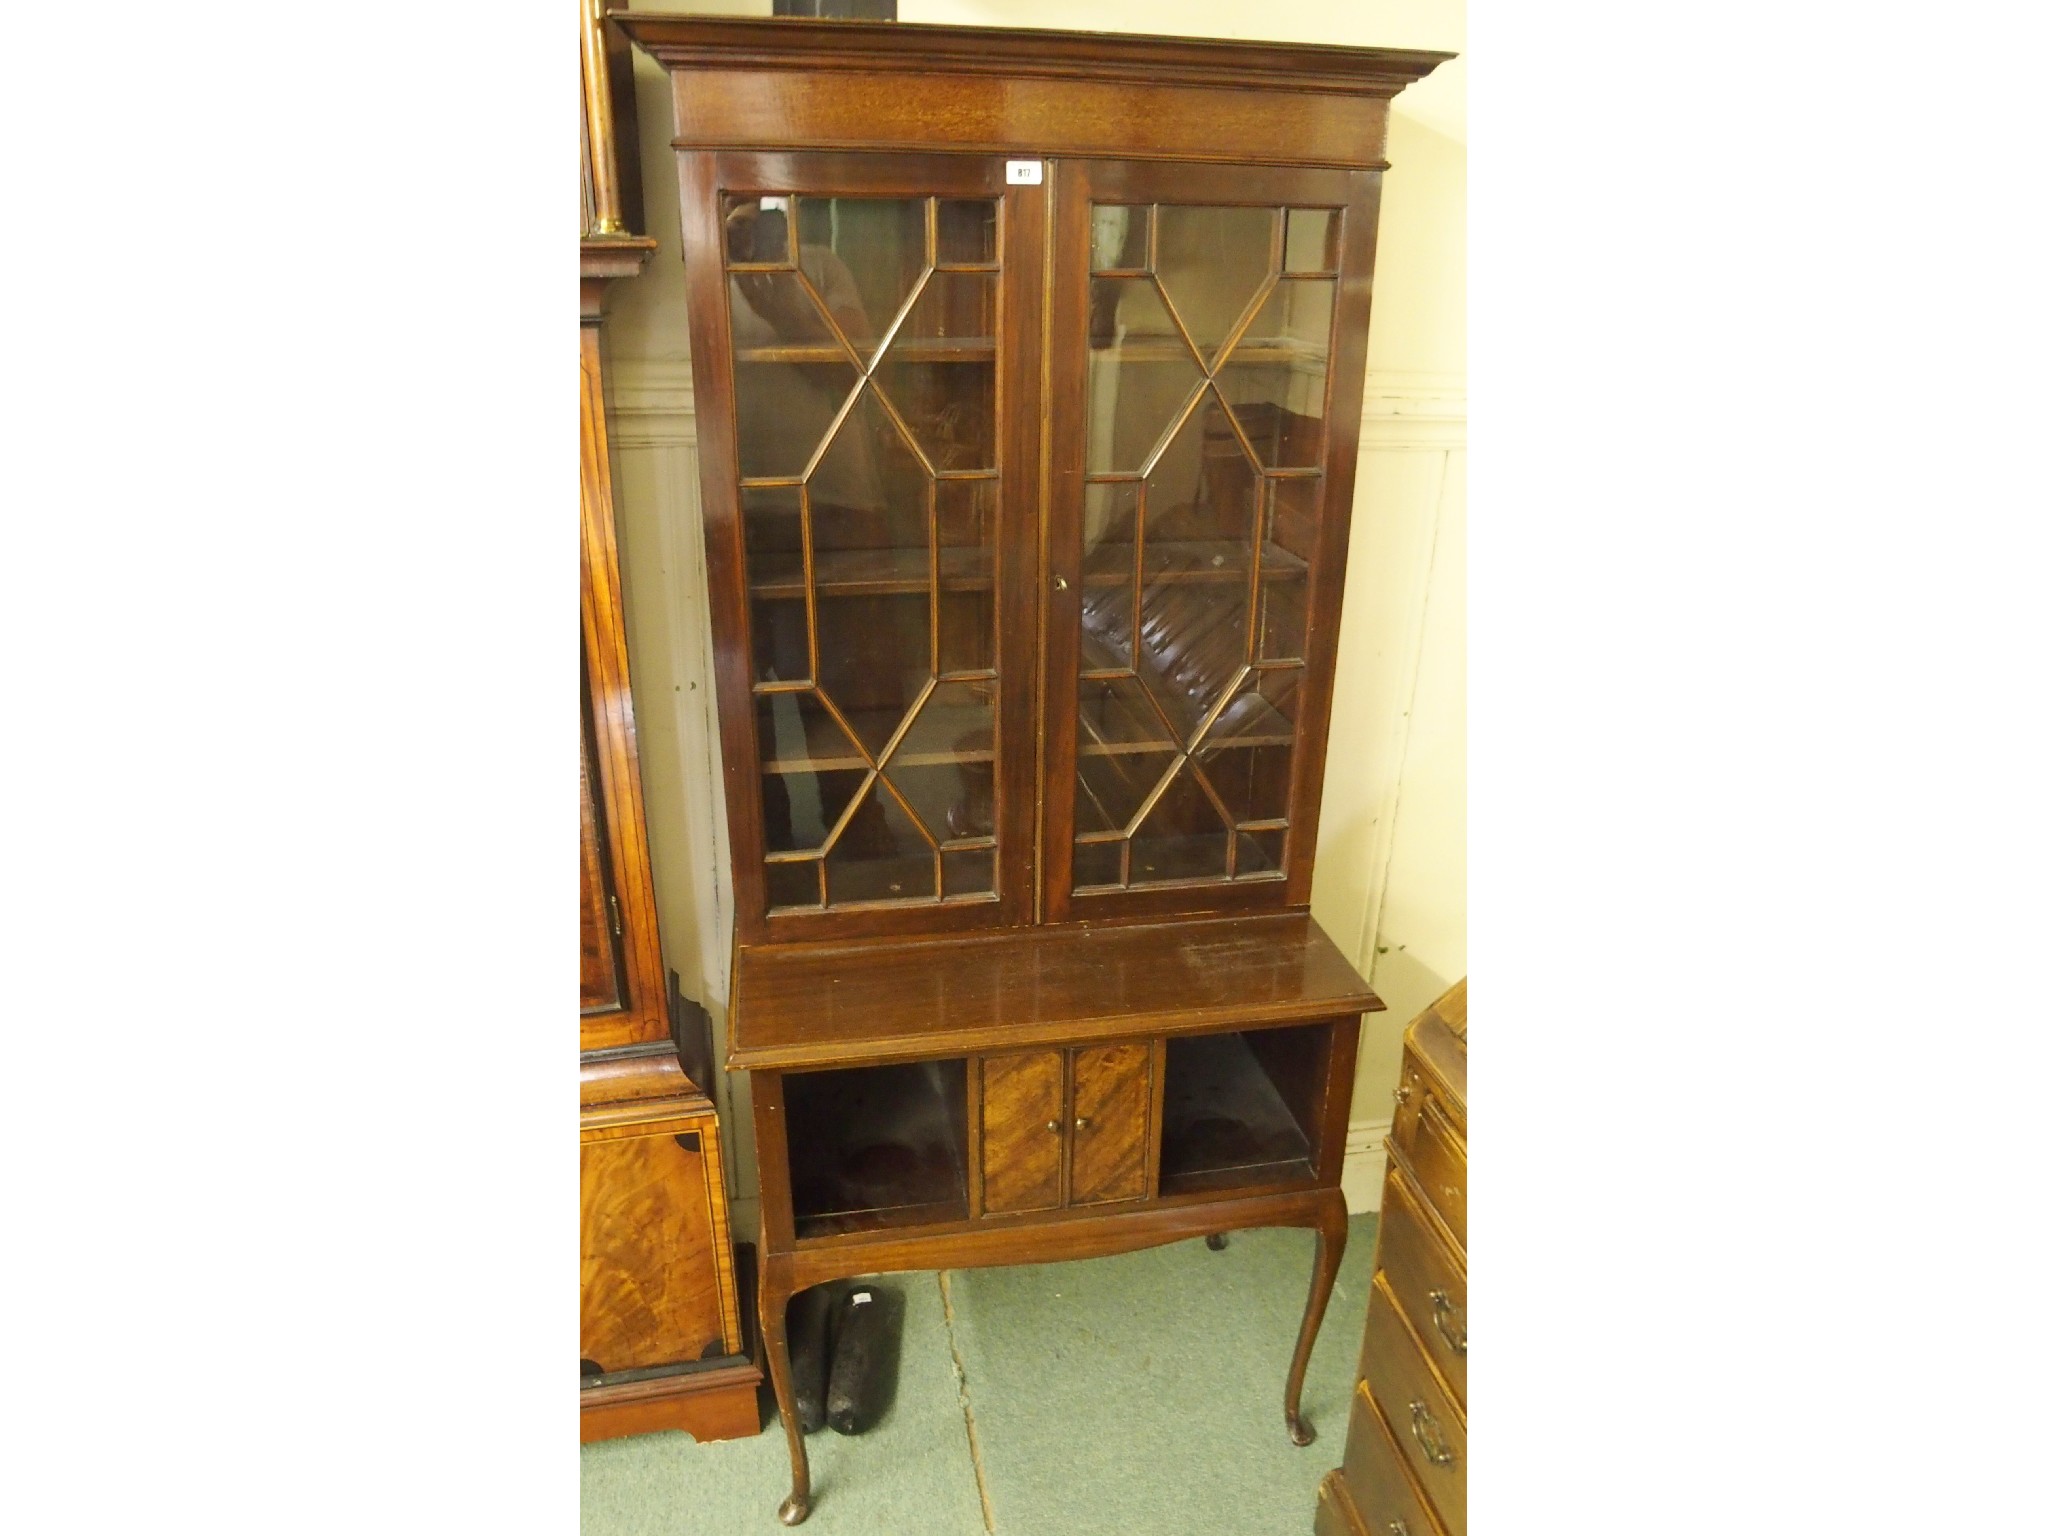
(606, 258)
(870, 46)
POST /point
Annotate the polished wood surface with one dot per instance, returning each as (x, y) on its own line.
(1428, 1424)
(1426, 1276)
(720, 1402)
(1404, 1459)
(1007, 1069)
(809, 1004)
(1373, 1466)
(1023, 1131)
(646, 1248)
(600, 957)
(641, 1009)
(802, 84)
(1112, 1100)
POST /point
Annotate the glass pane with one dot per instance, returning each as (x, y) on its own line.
(790, 377)
(1118, 239)
(757, 229)
(1212, 264)
(944, 767)
(1294, 510)
(967, 233)
(1274, 378)
(881, 856)
(967, 609)
(862, 256)
(794, 885)
(1201, 507)
(1098, 864)
(1140, 374)
(1261, 853)
(865, 368)
(1183, 837)
(1195, 578)
(969, 873)
(1311, 240)
(938, 371)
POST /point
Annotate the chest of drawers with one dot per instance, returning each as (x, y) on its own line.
(1404, 1458)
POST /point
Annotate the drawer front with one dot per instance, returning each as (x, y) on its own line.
(1438, 1157)
(1386, 1499)
(1425, 1423)
(1022, 1131)
(1112, 1094)
(1426, 1279)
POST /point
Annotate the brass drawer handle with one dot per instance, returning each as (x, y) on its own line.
(1450, 1322)
(1429, 1435)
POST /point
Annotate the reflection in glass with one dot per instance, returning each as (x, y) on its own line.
(1204, 380)
(864, 371)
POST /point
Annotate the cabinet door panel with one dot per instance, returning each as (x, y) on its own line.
(1112, 1097)
(874, 317)
(600, 957)
(1205, 390)
(650, 1276)
(1022, 1131)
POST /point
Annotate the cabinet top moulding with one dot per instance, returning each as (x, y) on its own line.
(788, 83)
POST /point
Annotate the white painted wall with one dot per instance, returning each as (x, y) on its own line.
(1390, 873)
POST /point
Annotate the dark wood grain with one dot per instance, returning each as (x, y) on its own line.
(1416, 1406)
(1022, 1131)
(816, 1004)
(1062, 1017)
(1112, 1098)
(641, 1011)
(600, 957)
(646, 1245)
(1426, 1277)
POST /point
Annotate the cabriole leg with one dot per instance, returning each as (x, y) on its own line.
(1331, 1231)
(775, 1294)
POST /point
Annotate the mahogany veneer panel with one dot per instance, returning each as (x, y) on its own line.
(808, 1005)
(1021, 1132)
(1112, 1092)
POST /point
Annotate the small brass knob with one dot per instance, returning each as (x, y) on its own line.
(1053, 1126)
(1059, 583)
(1080, 1122)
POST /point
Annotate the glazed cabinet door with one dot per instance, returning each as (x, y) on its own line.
(869, 327)
(1208, 333)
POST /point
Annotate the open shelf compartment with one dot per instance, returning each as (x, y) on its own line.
(1243, 1108)
(877, 1147)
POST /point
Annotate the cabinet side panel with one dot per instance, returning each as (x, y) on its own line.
(651, 1278)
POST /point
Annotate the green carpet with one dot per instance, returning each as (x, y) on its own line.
(1136, 1394)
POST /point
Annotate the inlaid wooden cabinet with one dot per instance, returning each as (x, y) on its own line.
(661, 1328)
(1029, 369)
(1404, 1459)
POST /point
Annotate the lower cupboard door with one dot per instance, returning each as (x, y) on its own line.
(1112, 1095)
(1021, 1124)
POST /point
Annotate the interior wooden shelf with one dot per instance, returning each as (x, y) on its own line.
(1188, 562)
(1109, 728)
(871, 572)
(964, 349)
(1152, 348)
(1239, 1109)
(898, 999)
(827, 749)
(877, 1147)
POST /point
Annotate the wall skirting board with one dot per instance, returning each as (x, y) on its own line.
(1411, 443)
(1365, 1163)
